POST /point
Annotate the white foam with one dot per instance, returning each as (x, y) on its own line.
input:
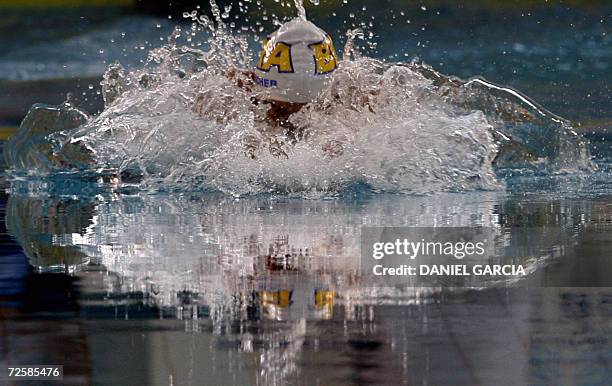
(180, 122)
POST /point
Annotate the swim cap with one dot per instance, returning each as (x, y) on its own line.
(295, 62)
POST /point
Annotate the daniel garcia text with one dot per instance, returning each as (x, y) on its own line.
(422, 248)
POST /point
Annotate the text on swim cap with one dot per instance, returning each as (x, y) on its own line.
(279, 56)
(324, 56)
(263, 82)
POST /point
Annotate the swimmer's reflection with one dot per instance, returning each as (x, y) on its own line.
(69, 235)
(250, 263)
(258, 277)
(276, 304)
(39, 225)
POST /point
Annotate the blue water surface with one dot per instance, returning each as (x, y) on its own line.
(123, 286)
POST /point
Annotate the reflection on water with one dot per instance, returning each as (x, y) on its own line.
(271, 289)
(281, 253)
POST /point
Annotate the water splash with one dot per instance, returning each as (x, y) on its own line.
(186, 120)
(351, 51)
(299, 5)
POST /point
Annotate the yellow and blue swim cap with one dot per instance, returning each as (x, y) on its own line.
(295, 62)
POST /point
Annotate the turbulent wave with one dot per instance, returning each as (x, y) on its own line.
(181, 123)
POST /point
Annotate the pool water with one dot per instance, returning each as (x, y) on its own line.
(124, 286)
(163, 289)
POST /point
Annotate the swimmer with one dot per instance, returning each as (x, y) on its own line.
(295, 63)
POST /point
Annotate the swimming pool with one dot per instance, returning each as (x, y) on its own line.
(174, 285)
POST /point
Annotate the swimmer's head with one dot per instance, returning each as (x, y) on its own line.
(295, 62)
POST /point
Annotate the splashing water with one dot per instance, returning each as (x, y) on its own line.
(299, 5)
(183, 122)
